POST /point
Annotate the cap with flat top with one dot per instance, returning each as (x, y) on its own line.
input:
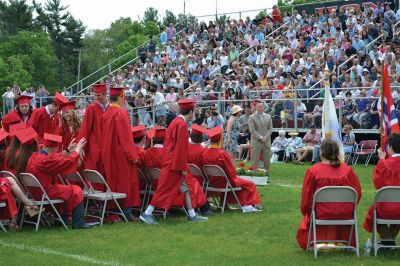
(27, 136)
(116, 91)
(3, 135)
(100, 88)
(186, 104)
(59, 99)
(138, 131)
(51, 140)
(199, 130)
(68, 106)
(24, 99)
(16, 127)
(215, 133)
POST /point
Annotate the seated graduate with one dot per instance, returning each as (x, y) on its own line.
(215, 155)
(386, 173)
(139, 140)
(46, 164)
(9, 189)
(12, 150)
(153, 159)
(329, 172)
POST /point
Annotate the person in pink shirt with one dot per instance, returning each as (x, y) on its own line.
(172, 96)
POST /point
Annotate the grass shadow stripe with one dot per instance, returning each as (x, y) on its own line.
(47, 251)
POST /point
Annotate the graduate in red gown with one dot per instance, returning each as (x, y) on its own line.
(139, 140)
(70, 124)
(329, 172)
(46, 164)
(153, 159)
(118, 152)
(386, 173)
(196, 149)
(215, 155)
(91, 129)
(174, 173)
(12, 151)
(47, 119)
(9, 190)
(21, 113)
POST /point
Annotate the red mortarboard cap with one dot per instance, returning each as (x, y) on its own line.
(9, 119)
(138, 131)
(100, 88)
(116, 91)
(158, 132)
(16, 127)
(51, 140)
(186, 104)
(59, 99)
(24, 99)
(27, 135)
(215, 133)
(68, 106)
(196, 129)
(3, 135)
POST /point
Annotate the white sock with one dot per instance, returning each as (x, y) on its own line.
(149, 210)
(192, 213)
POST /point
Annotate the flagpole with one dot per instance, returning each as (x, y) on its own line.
(382, 104)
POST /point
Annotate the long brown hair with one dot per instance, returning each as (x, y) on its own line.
(330, 151)
(24, 155)
(11, 155)
(76, 120)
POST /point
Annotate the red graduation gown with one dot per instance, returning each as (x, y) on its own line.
(43, 123)
(386, 173)
(46, 167)
(140, 152)
(152, 159)
(91, 130)
(117, 153)
(13, 113)
(174, 162)
(195, 156)
(321, 175)
(248, 195)
(67, 135)
(6, 195)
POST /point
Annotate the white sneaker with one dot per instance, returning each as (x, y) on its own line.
(249, 208)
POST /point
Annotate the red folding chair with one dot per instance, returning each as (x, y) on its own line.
(365, 148)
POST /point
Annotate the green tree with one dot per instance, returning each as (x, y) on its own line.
(65, 33)
(150, 14)
(169, 18)
(35, 52)
(151, 28)
(15, 16)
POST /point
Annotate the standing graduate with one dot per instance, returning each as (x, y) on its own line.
(21, 113)
(46, 164)
(329, 172)
(91, 129)
(47, 119)
(215, 155)
(173, 177)
(70, 124)
(118, 152)
(386, 173)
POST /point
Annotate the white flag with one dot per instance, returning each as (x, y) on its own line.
(330, 123)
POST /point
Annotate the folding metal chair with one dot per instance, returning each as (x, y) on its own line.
(2, 205)
(78, 179)
(348, 156)
(153, 175)
(198, 174)
(217, 172)
(335, 194)
(29, 181)
(365, 148)
(145, 187)
(94, 177)
(385, 194)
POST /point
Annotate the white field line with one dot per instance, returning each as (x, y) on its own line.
(285, 185)
(47, 251)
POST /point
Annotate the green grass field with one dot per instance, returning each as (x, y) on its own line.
(266, 238)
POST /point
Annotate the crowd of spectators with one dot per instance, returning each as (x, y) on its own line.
(280, 58)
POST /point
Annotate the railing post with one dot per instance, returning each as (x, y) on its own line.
(40, 102)
(4, 106)
(154, 114)
(295, 109)
(240, 15)
(340, 112)
(109, 68)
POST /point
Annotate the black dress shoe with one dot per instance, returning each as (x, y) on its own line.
(207, 213)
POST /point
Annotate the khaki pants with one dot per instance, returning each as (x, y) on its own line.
(255, 156)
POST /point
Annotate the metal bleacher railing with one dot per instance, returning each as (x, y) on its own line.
(294, 122)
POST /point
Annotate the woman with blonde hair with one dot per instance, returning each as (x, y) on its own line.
(348, 139)
(70, 124)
